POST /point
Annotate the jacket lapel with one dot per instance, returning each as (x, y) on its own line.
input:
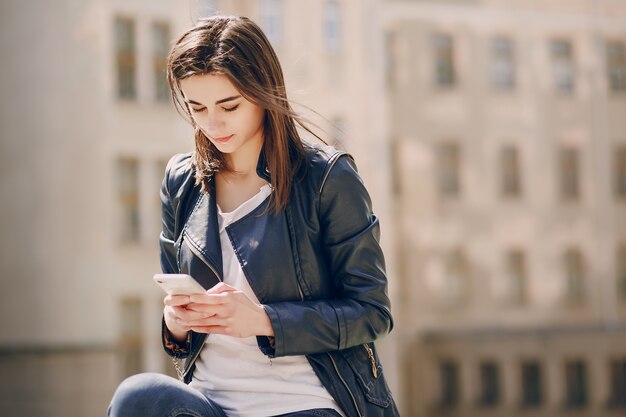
(202, 235)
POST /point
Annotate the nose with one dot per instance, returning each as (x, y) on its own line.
(211, 124)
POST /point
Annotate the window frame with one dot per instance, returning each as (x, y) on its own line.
(502, 63)
(563, 66)
(443, 50)
(125, 51)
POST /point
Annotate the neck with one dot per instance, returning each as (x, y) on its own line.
(244, 162)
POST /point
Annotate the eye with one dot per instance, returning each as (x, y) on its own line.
(198, 110)
(231, 108)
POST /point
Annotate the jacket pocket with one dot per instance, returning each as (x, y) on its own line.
(368, 371)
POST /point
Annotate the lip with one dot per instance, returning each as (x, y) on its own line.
(223, 139)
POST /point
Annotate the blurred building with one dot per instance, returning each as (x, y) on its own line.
(491, 135)
(508, 130)
(86, 129)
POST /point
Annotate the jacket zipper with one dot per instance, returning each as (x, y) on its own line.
(292, 235)
(300, 290)
(356, 407)
(192, 360)
(370, 354)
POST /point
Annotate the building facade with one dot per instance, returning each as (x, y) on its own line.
(490, 134)
(85, 132)
(508, 137)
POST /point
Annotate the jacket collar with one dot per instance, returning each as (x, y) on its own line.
(203, 233)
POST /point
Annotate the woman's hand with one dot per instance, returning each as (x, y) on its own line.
(174, 314)
(225, 310)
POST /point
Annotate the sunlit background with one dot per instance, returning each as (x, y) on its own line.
(490, 133)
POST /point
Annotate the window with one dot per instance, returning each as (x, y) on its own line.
(125, 57)
(448, 166)
(574, 274)
(272, 20)
(128, 195)
(510, 168)
(531, 384)
(489, 384)
(449, 384)
(445, 71)
(516, 274)
(617, 398)
(131, 339)
(502, 63)
(562, 66)
(620, 269)
(616, 65)
(575, 384)
(160, 42)
(332, 25)
(569, 166)
(619, 171)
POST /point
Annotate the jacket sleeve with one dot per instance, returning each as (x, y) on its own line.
(168, 219)
(361, 311)
(167, 251)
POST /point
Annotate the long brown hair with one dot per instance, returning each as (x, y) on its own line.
(237, 48)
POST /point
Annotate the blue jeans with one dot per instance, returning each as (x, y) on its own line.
(157, 395)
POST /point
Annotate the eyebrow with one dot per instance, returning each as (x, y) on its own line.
(224, 100)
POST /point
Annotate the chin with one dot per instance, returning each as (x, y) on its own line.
(224, 147)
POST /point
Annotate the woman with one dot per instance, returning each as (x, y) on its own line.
(281, 235)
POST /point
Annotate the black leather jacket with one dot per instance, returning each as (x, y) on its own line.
(316, 267)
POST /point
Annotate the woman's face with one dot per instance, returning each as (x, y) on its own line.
(232, 123)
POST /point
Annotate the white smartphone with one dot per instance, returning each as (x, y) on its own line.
(180, 284)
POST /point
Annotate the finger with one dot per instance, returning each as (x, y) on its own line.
(176, 300)
(211, 299)
(175, 313)
(220, 288)
(206, 309)
(206, 321)
(188, 315)
(180, 311)
(183, 327)
(176, 324)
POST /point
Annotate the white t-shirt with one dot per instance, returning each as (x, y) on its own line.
(234, 373)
